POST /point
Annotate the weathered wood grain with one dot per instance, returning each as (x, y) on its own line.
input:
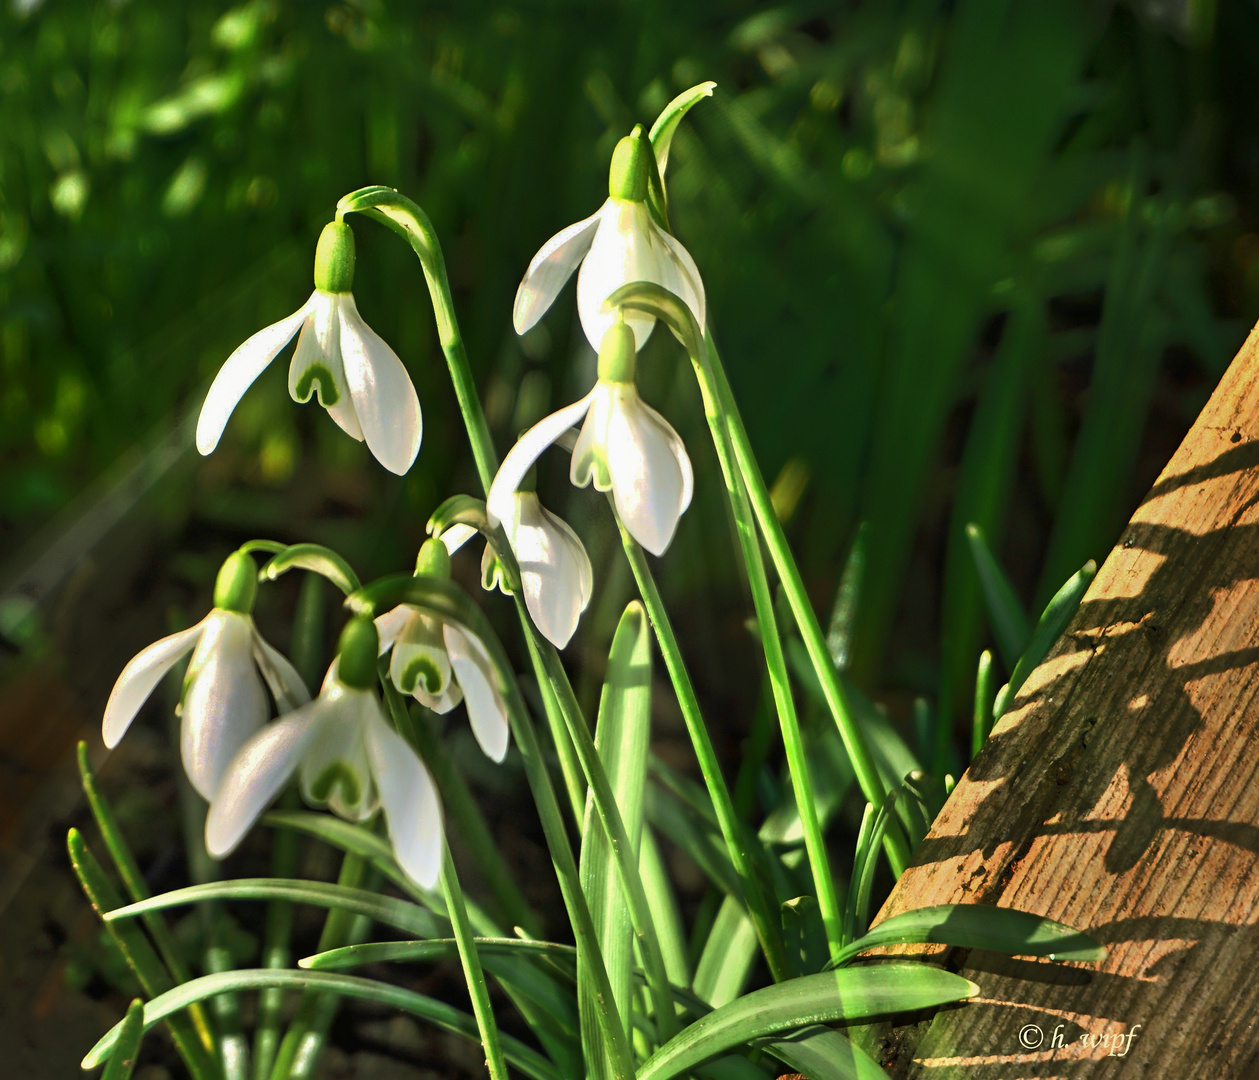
(1121, 795)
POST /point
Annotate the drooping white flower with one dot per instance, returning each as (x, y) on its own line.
(358, 377)
(624, 446)
(346, 756)
(619, 243)
(223, 702)
(555, 574)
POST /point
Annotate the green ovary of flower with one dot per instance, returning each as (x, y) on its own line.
(336, 774)
(317, 376)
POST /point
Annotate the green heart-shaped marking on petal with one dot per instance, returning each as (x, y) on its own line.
(422, 665)
(317, 376)
(337, 774)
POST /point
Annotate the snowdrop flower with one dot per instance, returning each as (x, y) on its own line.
(625, 447)
(442, 664)
(347, 757)
(359, 379)
(223, 701)
(617, 244)
(555, 574)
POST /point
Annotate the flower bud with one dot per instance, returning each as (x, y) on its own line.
(356, 653)
(617, 361)
(628, 177)
(334, 258)
(236, 587)
(433, 560)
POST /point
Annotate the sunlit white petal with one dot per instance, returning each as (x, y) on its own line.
(590, 460)
(409, 799)
(555, 572)
(334, 769)
(456, 535)
(384, 397)
(224, 702)
(550, 268)
(500, 505)
(238, 374)
(257, 775)
(419, 664)
(487, 712)
(651, 473)
(680, 275)
(390, 625)
(139, 678)
(282, 678)
(623, 251)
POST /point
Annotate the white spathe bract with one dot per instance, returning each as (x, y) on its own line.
(359, 379)
(223, 703)
(625, 447)
(442, 664)
(555, 574)
(348, 758)
(617, 244)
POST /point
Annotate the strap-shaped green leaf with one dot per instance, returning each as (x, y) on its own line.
(621, 738)
(130, 1035)
(1010, 624)
(1053, 621)
(980, 926)
(527, 1060)
(832, 995)
(666, 125)
(400, 914)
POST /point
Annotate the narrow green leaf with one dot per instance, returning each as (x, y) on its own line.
(870, 835)
(725, 965)
(622, 734)
(130, 1035)
(1010, 624)
(377, 952)
(138, 953)
(527, 1060)
(821, 1053)
(981, 714)
(980, 926)
(813, 999)
(458, 510)
(664, 910)
(844, 610)
(400, 914)
(315, 558)
(1053, 621)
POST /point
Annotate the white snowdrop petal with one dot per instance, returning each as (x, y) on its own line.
(487, 712)
(622, 252)
(456, 535)
(287, 686)
(139, 678)
(409, 798)
(549, 269)
(224, 702)
(500, 505)
(555, 572)
(257, 775)
(680, 275)
(384, 397)
(390, 625)
(651, 473)
(238, 374)
(334, 769)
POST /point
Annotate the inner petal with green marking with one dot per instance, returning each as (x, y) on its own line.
(317, 377)
(337, 774)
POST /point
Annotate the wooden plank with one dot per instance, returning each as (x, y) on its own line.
(1121, 795)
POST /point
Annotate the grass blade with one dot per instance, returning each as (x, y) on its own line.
(130, 1035)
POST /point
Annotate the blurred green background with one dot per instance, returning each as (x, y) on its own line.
(971, 261)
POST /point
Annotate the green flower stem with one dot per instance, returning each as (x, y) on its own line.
(233, 1047)
(616, 1043)
(806, 619)
(609, 815)
(570, 767)
(472, 973)
(775, 664)
(409, 221)
(136, 887)
(763, 920)
(139, 955)
(305, 1035)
